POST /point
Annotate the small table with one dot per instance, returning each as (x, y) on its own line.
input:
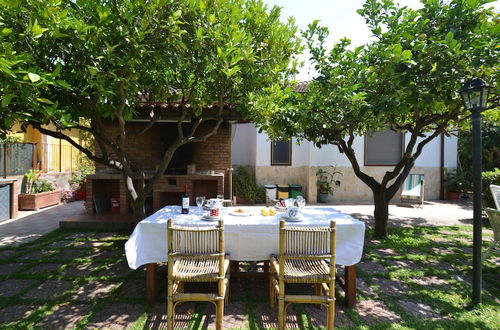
(250, 238)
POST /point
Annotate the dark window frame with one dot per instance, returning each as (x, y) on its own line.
(289, 163)
(383, 164)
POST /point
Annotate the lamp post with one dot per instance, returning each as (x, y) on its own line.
(475, 96)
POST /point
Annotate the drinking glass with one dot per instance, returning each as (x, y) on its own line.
(199, 201)
(289, 202)
(301, 202)
(220, 201)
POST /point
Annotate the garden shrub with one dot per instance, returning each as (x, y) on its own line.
(491, 177)
(245, 186)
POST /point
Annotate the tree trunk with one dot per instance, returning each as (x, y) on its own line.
(381, 213)
(138, 208)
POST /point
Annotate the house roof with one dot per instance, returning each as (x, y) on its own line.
(301, 87)
(170, 111)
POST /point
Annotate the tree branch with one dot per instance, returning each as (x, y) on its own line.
(62, 136)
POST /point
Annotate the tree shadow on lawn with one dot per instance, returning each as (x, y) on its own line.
(393, 222)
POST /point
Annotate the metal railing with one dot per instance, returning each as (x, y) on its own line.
(17, 158)
(57, 157)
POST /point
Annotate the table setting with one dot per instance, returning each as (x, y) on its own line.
(251, 234)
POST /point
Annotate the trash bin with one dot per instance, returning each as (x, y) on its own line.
(295, 190)
(115, 205)
(270, 192)
(283, 191)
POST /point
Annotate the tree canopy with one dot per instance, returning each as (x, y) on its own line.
(70, 62)
(406, 79)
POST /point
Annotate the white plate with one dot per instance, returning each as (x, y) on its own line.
(210, 218)
(292, 219)
(240, 214)
(280, 208)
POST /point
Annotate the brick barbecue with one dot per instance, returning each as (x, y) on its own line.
(211, 159)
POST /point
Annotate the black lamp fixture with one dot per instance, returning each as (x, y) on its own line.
(475, 96)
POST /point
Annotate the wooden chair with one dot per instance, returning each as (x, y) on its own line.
(196, 254)
(412, 191)
(301, 259)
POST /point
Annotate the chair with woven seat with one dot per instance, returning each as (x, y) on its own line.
(196, 254)
(306, 255)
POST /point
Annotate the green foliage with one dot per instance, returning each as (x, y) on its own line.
(62, 61)
(41, 186)
(91, 64)
(406, 79)
(245, 186)
(11, 139)
(457, 181)
(36, 185)
(490, 141)
(326, 179)
(491, 177)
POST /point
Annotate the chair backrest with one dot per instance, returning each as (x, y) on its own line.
(307, 242)
(413, 185)
(494, 217)
(495, 191)
(195, 240)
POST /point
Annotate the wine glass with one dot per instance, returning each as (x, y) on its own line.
(199, 201)
(220, 201)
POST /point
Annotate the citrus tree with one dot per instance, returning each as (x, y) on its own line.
(81, 63)
(406, 80)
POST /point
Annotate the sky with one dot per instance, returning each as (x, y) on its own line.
(338, 15)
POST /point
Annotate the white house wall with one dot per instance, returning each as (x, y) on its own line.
(244, 144)
(306, 159)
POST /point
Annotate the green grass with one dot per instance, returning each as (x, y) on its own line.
(434, 251)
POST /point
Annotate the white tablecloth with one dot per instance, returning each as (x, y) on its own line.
(251, 238)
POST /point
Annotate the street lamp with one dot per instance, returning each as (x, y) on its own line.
(475, 96)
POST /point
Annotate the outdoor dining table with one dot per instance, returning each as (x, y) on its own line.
(247, 238)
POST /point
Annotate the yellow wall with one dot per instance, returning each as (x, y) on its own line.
(52, 154)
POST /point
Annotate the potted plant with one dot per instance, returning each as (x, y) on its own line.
(325, 182)
(246, 189)
(39, 193)
(456, 183)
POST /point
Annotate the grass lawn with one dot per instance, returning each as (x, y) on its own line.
(416, 278)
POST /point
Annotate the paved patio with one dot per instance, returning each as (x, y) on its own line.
(68, 280)
(419, 277)
(30, 225)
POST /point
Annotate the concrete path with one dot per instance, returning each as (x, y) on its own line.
(30, 225)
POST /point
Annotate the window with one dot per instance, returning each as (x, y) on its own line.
(281, 153)
(383, 147)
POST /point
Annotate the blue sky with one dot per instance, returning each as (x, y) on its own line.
(338, 15)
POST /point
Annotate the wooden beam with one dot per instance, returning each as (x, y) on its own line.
(350, 286)
(151, 283)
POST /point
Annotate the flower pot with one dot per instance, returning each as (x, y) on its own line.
(323, 197)
(40, 200)
(453, 195)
